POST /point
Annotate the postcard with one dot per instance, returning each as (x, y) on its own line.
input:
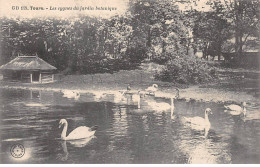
(129, 82)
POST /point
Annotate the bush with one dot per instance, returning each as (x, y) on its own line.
(186, 69)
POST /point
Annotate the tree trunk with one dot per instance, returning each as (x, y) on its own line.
(148, 43)
(163, 40)
(238, 33)
(219, 50)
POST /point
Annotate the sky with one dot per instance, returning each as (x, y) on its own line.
(13, 8)
(200, 6)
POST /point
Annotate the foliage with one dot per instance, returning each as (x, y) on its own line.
(152, 29)
(210, 32)
(243, 16)
(187, 70)
(81, 44)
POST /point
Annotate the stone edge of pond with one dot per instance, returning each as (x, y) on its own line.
(184, 98)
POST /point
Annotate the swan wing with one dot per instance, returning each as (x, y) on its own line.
(148, 90)
(136, 98)
(197, 123)
(234, 112)
(195, 120)
(233, 107)
(80, 133)
(152, 89)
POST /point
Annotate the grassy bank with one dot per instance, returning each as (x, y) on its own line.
(229, 88)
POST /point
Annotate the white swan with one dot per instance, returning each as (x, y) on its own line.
(199, 123)
(68, 93)
(78, 133)
(77, 96)
(119, 96)
(99, 95)
(234, 109)
(162, 106)
(71, 94)
(152, 89)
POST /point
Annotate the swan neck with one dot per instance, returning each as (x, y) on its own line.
(206, 117)
(244, 111)
(64, 131)
(172, 106)
(139, 102)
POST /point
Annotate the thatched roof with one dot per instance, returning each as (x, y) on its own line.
(27, 63)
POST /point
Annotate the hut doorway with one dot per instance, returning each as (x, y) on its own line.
(36, 76)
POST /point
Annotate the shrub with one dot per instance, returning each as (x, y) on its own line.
(186, 69)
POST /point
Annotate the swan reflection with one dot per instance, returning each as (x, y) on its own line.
(75, 143)
(64, 156)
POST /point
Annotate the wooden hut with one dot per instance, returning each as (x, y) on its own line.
(28, 69)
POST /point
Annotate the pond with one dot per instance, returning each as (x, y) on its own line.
(125, 133)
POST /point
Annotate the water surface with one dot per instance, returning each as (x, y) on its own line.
(126, 134)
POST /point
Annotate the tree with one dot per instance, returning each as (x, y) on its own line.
(158, 27)
(211, 31)
(243, 15)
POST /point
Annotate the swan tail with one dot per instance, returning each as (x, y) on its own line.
(185, 120)
(93, 128)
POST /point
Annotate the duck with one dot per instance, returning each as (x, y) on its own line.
(177, 93)
(234, 109)
(78, 133)
(128, 88)
(152, 89)
(199, 123)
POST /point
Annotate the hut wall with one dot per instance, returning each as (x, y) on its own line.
(7, 75)
(12, 75)
(46, 77)
(26, 77)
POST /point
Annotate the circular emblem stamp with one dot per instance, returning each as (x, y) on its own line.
(17, 150)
